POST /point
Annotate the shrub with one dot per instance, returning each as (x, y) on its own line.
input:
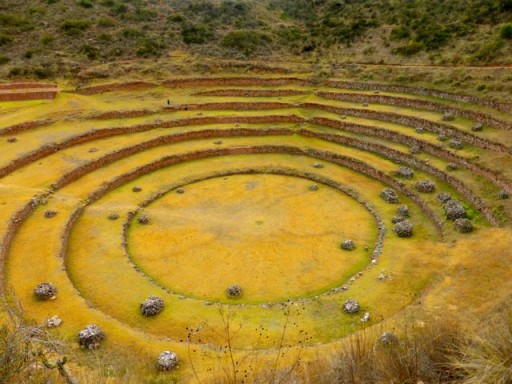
(85, 3)
(47, 39)
(90, 51)
(196, 34)
(245, 41)
(4, 59)
(74, 27)
(506, 31)
(106, 22)
(131, 33)
(4, 39)
(409, 49)
(149, 47)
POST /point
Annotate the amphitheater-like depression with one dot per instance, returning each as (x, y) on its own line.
(184, 218)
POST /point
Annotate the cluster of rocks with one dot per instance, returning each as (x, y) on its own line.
(464, 225)
(403, 228)
(348, 245)
(454, 210)
(442, 137)
(419, 130)
(425, 186)
(415, 149)
(351, 306)
(402, 213)
(45, 291)
(389, 196)
(90, 337)
(167, 360)
(234, 291)
(152, 306)
(405, 172)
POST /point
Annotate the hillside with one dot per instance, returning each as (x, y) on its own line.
(49, 38)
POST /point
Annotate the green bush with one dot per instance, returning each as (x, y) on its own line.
(149, 47)
(245, 41)
(131, 33)
(506, 31)
(196, 34)
(106, 22)
(85, 3)
(409, 49)
(90, 51)
(487, 51)
(74, 27)
(4, 39)
(47, 39)
(4, 59)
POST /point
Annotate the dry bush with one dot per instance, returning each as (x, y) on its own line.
(485, 353)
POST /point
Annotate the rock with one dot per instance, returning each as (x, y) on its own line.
(152, 306)
(415, 149)
(456, 143)
(53, 322)
(388, 339)
(90, 337)
(366, 317)
(442, 137)
(403, 228)
(454, 210)
(318, 165)
(49, 214)
(419, 130)
(405, 172)
(389, 196)
(234, 291)
(397, 219)
(463, 225)
(167, 360)
(348, 245)
(92, 150)
(313, 187)
(12, 140)
(143, 219)
(478, 127)
(136, 189)
(351, 306)
(217, 142)
(448, 116)
(365, 104)
(503, 195)
(403, 210)
(180, 191)
(45, 291)
(425, 186)
(113, 216)
(382, 277)
(443, 197)
(452, 167)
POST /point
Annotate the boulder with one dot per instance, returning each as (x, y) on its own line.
(456, 143)
(452, 167)
(443, 197)
(53, 322)
(152, 306)
(90, 337)
(113, 216)
(45, 291)
(454, 210)
(448, 116)
(167, 360)
(405, 172)
(143, 219)
(403, 210)
(425, 186)
(136, 189)
(389, 196)
(415, 149)
(388, 339)
(403, 228)
(478, 127)
(348, 245)
(234, 291)
(49, 214)
(313, 187)
(503, 195)
(463, 225)
(351, 306)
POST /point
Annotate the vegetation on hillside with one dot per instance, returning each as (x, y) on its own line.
(44, 38)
